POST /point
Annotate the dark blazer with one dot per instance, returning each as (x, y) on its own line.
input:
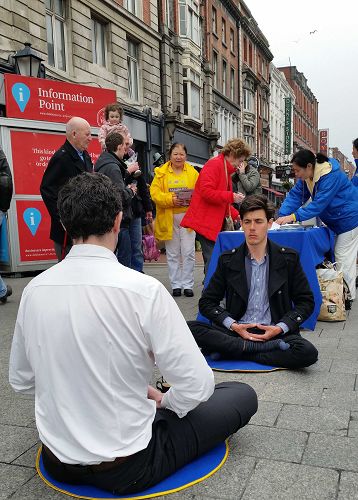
(64, 164)
(290, 296)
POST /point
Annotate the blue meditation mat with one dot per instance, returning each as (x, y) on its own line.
(239, 365)
(198, 470)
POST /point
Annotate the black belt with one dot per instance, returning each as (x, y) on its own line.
(103, 466)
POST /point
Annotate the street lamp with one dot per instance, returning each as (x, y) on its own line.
(27, 61)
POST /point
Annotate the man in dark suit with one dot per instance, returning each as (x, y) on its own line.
(267, 296)
(68, 161)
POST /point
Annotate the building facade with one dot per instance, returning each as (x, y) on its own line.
(305, 111)
(346, 166)
(107, 44)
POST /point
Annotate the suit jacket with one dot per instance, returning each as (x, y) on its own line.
(64, 164)
(290, 296)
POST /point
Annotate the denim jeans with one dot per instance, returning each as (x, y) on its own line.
(3, 288)
(135, 234)
(123, 251)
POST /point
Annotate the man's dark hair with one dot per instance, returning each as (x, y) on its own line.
(113, 140)
(257, 202)
(355, 143)
(88, 205)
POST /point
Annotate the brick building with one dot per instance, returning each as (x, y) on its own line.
(305, 111)
(346, 166)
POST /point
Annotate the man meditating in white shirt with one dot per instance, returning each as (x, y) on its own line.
(87, 335)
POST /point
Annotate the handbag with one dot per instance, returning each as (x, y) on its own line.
(228, 224)
(331, 284)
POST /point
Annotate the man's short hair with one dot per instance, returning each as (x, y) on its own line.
(257, 202)
(113, 140)
(88, 205)
(355, 143)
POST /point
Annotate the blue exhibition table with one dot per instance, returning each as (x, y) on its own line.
(311, 243)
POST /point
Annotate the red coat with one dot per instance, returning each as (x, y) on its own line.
(211, 199)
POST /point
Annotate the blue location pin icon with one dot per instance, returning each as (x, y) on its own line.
(32, 218)
(21, 94)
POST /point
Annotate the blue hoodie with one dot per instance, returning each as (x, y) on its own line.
(334, 200)
(355, 175)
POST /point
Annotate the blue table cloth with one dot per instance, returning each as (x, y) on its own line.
(312, 244)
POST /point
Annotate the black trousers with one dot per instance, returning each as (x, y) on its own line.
(175, 442)
(207, 247)
(226, 342)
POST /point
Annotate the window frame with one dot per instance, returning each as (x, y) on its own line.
(61, 19)
(134, 94)
(192, 82)
(223, 31)
(95, 23)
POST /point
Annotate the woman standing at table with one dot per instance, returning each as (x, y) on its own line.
(334, 201)
(171, 185)
(213, 196)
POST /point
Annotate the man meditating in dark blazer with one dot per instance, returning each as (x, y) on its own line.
(267, 298)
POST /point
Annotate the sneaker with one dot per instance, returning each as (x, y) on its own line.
(188, 292)
(176, 292)
(8, 293)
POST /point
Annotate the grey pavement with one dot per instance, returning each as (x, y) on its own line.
(301, 444)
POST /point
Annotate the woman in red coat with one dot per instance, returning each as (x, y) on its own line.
(213, 196)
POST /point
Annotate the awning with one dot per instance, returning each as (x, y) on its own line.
(276, 193)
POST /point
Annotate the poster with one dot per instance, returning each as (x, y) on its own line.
(33, 223)
(54, 101)
(31, 152)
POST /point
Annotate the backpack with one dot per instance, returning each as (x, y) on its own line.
(5, 190)
(150, 250)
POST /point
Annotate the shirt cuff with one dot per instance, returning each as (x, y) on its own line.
(228, 322)
(283, 326)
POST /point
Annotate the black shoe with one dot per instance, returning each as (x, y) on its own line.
(188, 293)
(8, 293)
(177, 292)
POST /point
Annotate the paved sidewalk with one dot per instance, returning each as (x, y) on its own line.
(302, 443)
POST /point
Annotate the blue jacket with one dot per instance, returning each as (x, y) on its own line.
(355, 175)
(334, 200)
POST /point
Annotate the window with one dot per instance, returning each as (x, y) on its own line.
(55, 33)
(232, 40)
(215, 69)
(98, 42)
(227, 124)
(223, 31)
(214, 21)
(249, 136)
(192, 94)
(245, 49)
(250, 54)
(224, 71)
(169, 13)
(189, 21)
(232, 84)
(132, 6)
(133, 70)
(248, 96)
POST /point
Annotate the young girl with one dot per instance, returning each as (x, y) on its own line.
(113, 114)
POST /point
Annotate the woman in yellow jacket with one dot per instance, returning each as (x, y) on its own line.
(171, 190)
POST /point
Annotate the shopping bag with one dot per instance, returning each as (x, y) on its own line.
(331, 285)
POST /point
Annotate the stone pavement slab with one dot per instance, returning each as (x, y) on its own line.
(312, 419)
(348, 487)
(283, 481)
(276, 444)
(13, 478)
(332, 451)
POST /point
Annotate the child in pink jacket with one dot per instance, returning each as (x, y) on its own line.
(113, 114)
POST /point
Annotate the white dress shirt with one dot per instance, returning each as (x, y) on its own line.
(87, 334)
